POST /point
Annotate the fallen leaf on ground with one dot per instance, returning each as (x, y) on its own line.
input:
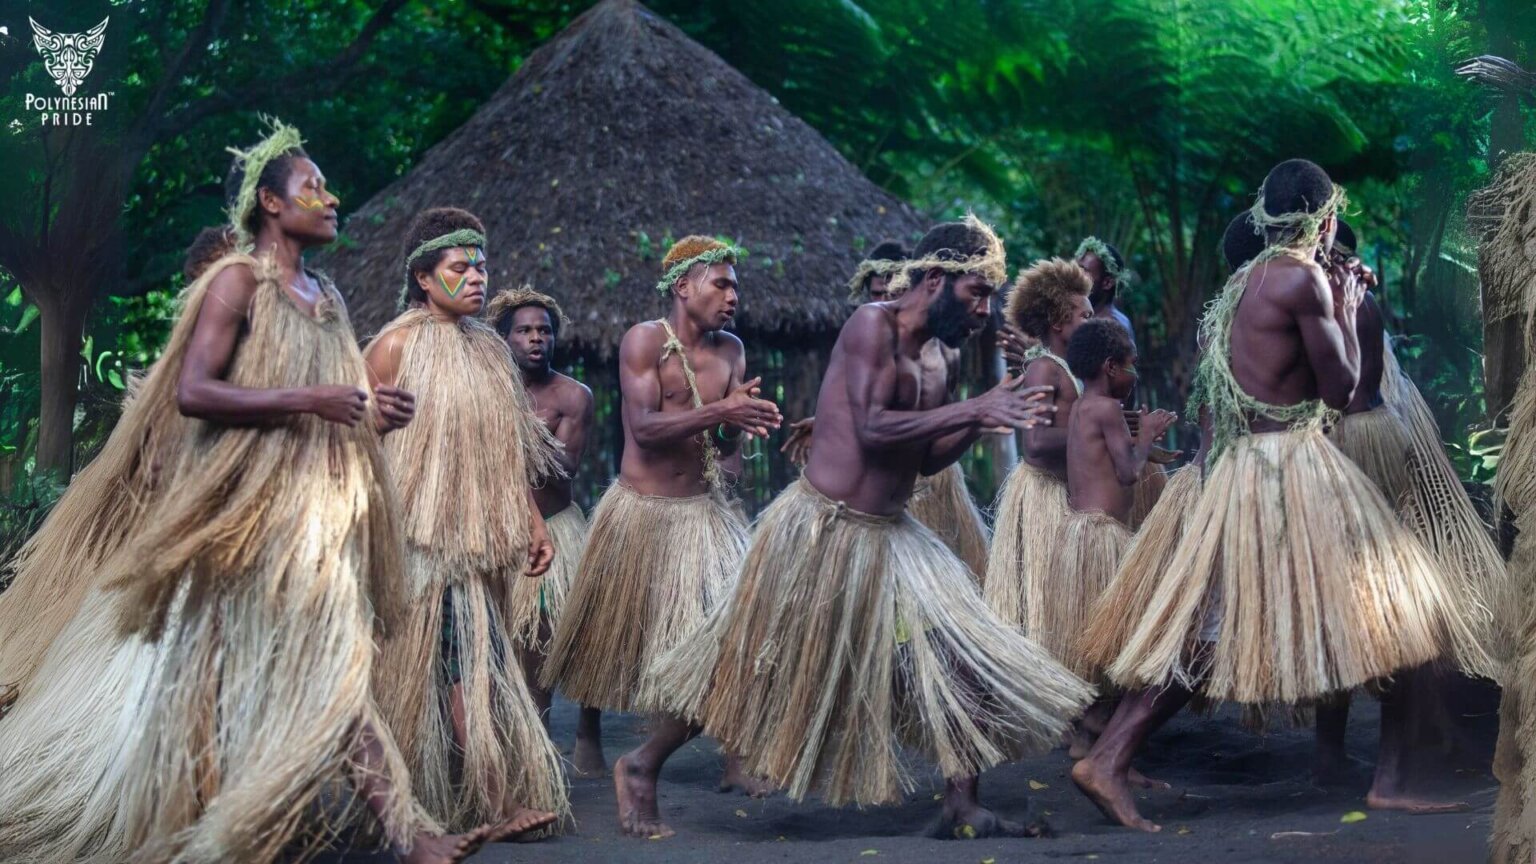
(1352, 817)
(1281, 835)
(989, 861)
(869, 852)
(1037, 785)
(741, 814)
(966, 831)
(1183, 831)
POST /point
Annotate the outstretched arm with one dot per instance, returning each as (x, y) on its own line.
(202, 390)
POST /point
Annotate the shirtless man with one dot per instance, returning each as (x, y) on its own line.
(839, 546)
(531, 324)
(1300, 352)
(667, 539)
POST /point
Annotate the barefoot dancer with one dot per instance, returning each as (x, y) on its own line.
(1300, 582)
(667, 538)
(854, 631)
(253, 564)
(447, 682)
(531, 323)
(1389, 432)
(1104, 463)
(942, 502)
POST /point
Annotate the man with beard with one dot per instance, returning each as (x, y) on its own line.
(855, 632)
(667, 537)
(531, 323)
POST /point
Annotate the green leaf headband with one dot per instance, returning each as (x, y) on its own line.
(281, 140)
(991, 262)
(1300, 229)
(460, 237)
(1100, 249)
(716, 255)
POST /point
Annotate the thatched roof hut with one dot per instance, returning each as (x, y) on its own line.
(611, 140)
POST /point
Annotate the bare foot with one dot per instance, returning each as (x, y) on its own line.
(1111, 795)
(1142, 781)
(453, 848)
(735, 779)
(973, 821)
(587, 759)
(528, 824)
(1410, 804)
(636, 793)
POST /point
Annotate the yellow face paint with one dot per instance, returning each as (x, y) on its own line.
(309, 203)
(458, 285)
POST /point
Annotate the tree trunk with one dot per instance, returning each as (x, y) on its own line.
(62, 334)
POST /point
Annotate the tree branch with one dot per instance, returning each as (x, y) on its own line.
(331, 72)
(148, 126)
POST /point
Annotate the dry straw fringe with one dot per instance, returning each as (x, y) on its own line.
(991, 262)
(251, 568)
(1377, 442)
(1505, 213)
(943, 503)
(653, 570)
(468, 521)
(507, 755)
(461, 465)
(536, 603)
(61, 747)
(1145, 494)
(851, 636)
(1441, 514)
(1120, 607)
(1083, 562)
(1320, 587)
(1030, 511)
(104, 505)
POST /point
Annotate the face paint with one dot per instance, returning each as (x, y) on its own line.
(309, 203)
(474, 255)
(458, 284)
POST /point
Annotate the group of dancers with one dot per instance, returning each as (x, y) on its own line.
(304, 582)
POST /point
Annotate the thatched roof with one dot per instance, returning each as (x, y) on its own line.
(613, 139)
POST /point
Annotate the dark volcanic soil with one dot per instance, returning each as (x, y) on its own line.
(1237, 797)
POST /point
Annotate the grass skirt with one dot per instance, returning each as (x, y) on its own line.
(534, 601)
(1514, 761)
(1320, 587)
(851, 636)
(1031, 510)
(653, 570)
(943, 503)
(1119, 608)
(1145, 494)
(506, 750)
(1084, 562)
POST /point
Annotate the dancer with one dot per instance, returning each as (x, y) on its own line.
(446, 681)
(531, 323)
(1294, 539)
(667, 538)
(854, 631)
(213, 687)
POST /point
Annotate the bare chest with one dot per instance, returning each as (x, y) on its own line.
(711, 373)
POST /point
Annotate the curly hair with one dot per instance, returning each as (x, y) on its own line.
(427, 225)
(1042, 295)
(1241, 242)
(210, 245)
(1097, 340)
(503, 308)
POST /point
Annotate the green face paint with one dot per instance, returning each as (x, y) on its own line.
(474, 255)
(457, 286)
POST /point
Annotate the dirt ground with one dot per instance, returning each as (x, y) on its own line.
(1237, 797)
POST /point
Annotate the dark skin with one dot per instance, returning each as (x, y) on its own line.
(1105, 290)
(663, 456)
(1297, 323)
(285, 231)
(873, 438)
(466, 274)
(566, 407)
(1105, 459)
(1045, 445)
